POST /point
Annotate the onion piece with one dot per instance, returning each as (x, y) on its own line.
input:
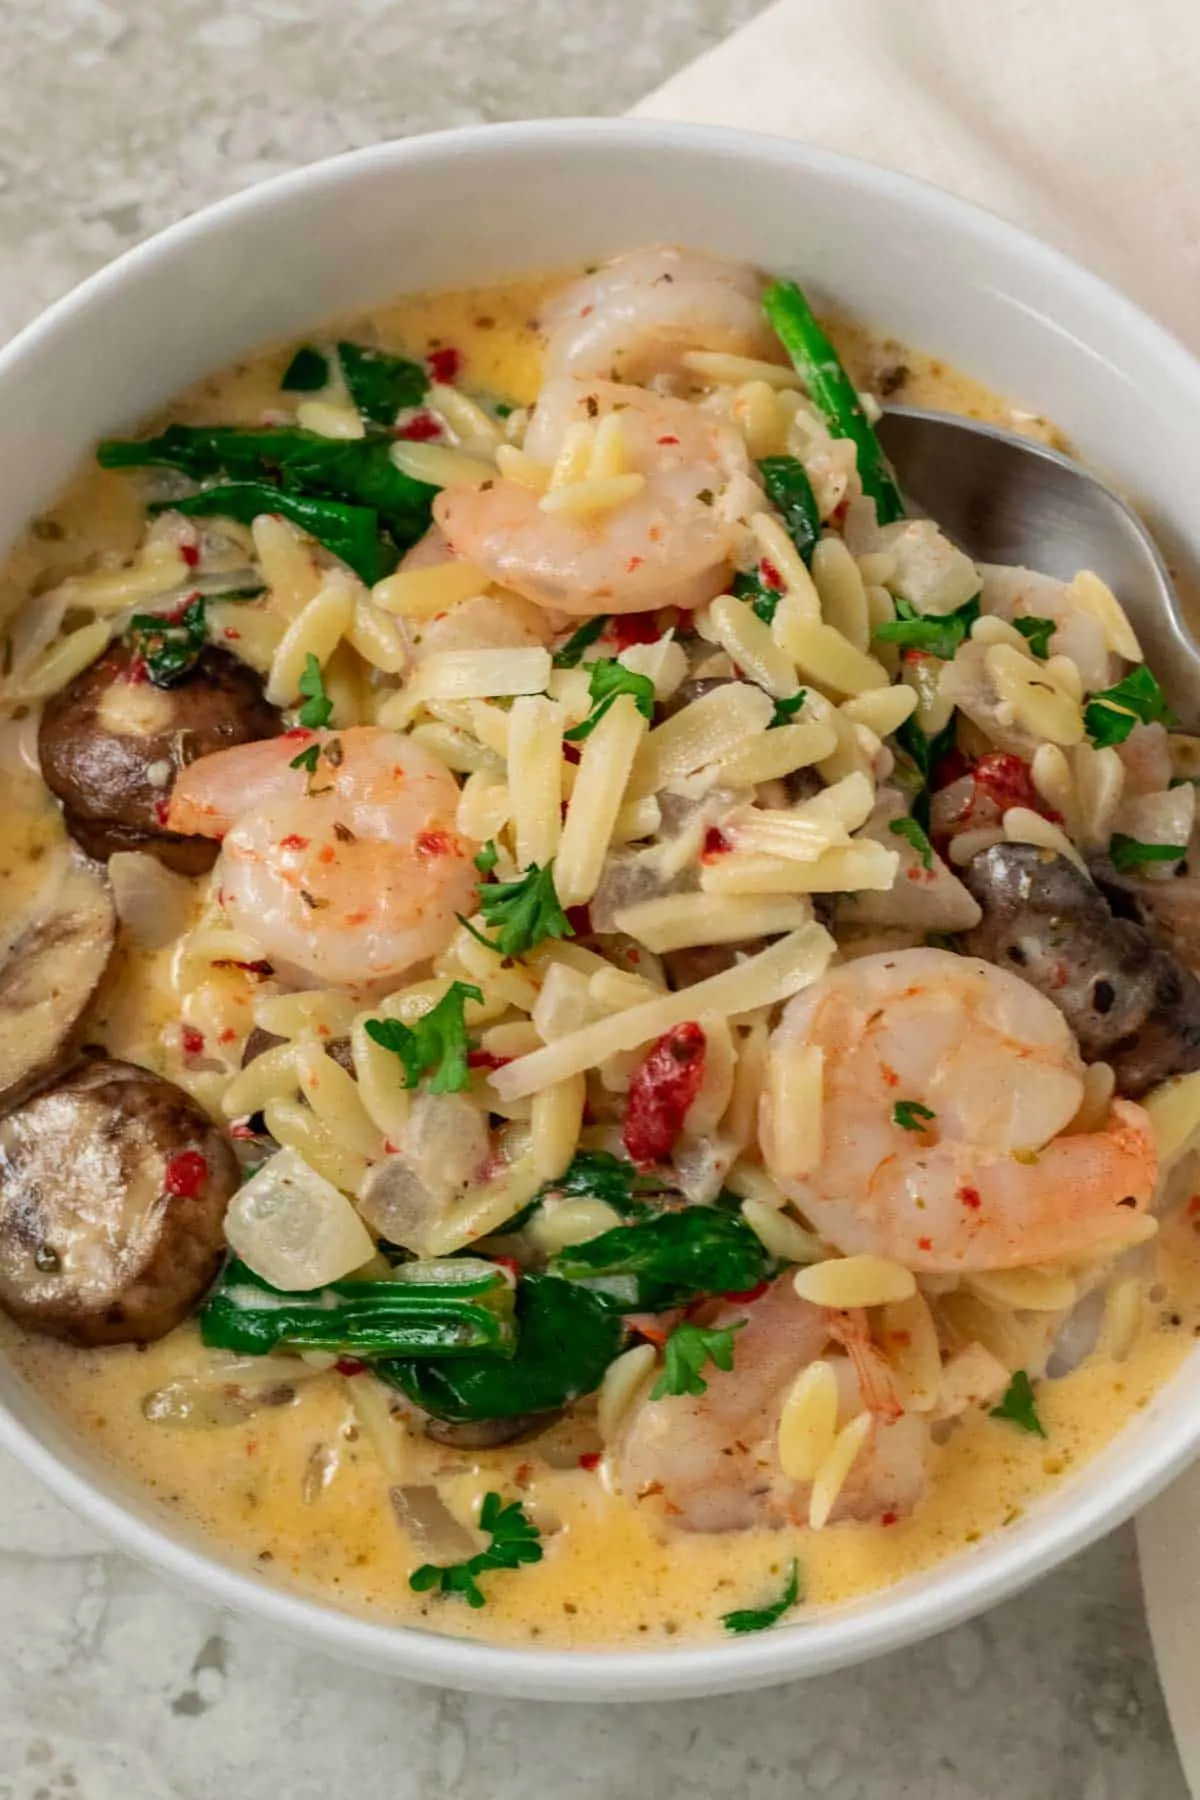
(153, 903)
(293, 1228)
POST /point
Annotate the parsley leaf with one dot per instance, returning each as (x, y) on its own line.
(599, 1175)
(307, 759)
(487, 858)
(1129, 853)
(758, 1618)
(515, 1540)
(437, 1041)
(937, 634)
(687, 1350)
(317, 710)
(610, 678)
(910, 829)
(1018, 1405)
(786, 710)
(1037, 633)
(307, 372)
(1111, 714)
(524, 912)
(755, 588)
(170, 647)
(908, 1114)
(570, 654)
(380, 385)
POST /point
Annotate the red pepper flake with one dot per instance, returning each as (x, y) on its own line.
(571, 755)
(240, 1129)
(192, 1040)
(293, 841)
(1193, 1205)
(297, 734)
(186, 1174)
(663, 1087)
(668, 439)
(770, 574)
(590, 1460)
(137, 671)
(579, 918)
(227, 1036)
(748, 1295)
(190, 554)
(445, 365)
(924, 1243)
(510, 1263)
(627, 629)
(970, 1197)
(434, 843)
(486, 1059)
(349, 1365)
(1005, 780)
(230, 633)
(888, 1518)
(715, 844)
(162, 811)
(634, 563)
(422, 428)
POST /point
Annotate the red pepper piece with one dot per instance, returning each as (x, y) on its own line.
(186, 1174)
(445, 365)
(664, 1085)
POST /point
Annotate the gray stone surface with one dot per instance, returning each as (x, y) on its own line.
(114, 120)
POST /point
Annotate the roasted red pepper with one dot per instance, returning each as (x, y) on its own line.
(664, 1085)
(186, 1174)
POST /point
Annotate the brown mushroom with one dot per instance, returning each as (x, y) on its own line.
(113, 1189)
(111, 746)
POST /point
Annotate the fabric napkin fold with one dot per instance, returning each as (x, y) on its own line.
(1077, 119)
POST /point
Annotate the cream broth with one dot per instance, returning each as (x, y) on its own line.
(297, 1492)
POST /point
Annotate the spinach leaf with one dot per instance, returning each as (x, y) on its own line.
(1111, 714)
(170, 647)
(1037, 633)
(307, 372)
(757, 590)
(936, 634)
(790, 492)
(667, 1260)
(446, 1308)
(380, 384)
(351, 532)
(925, 753)
(359, 471)
(566, 1340)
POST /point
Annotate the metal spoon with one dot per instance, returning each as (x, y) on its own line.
(1004, 499)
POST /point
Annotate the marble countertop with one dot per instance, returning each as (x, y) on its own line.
(115, 119)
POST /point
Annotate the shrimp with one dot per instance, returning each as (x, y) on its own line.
(709, 1462)
(636, 315)
(352, 873)
(672, 544)
(991, 1180)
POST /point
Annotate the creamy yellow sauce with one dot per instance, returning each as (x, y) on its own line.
(297, 1492)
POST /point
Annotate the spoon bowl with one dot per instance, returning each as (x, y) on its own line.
(1007, 499)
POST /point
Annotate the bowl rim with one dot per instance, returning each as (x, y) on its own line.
(966, 1582)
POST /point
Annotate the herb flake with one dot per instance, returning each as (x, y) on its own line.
(307, 373)
(523, 912)
(760, 1618)
(515, 1540)
(610, 679)
(1018, 1405)
(1111, 714)
(915, 835)
(934, 634)
(435, 1045)
(910, 1115)
(317, 710)
(570, 654)
(1037, 633)
(1129, 854)
(685, 1353)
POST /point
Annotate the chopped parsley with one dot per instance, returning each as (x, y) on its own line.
(515, 1540)
(909, 828)
(762, 596)
(1129, 854)
(788, 488)
(610, 679)
(1037, 633)
(317, 710)
(307, 759)
(523, 912)
(570, 654)
(487, 858)
(759, 1618)
(170, 647)
(1111, 714)
(436, 1045)
(687, 1350)
(786, 710)
(910, 1115)
(307, 372)
(1018, 1405)
(936, 634)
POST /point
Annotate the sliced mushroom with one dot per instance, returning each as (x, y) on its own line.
(50, 969)
(113, 1189)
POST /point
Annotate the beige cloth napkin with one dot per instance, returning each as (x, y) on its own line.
(1078, 119)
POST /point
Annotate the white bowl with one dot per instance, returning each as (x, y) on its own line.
(469, 206)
